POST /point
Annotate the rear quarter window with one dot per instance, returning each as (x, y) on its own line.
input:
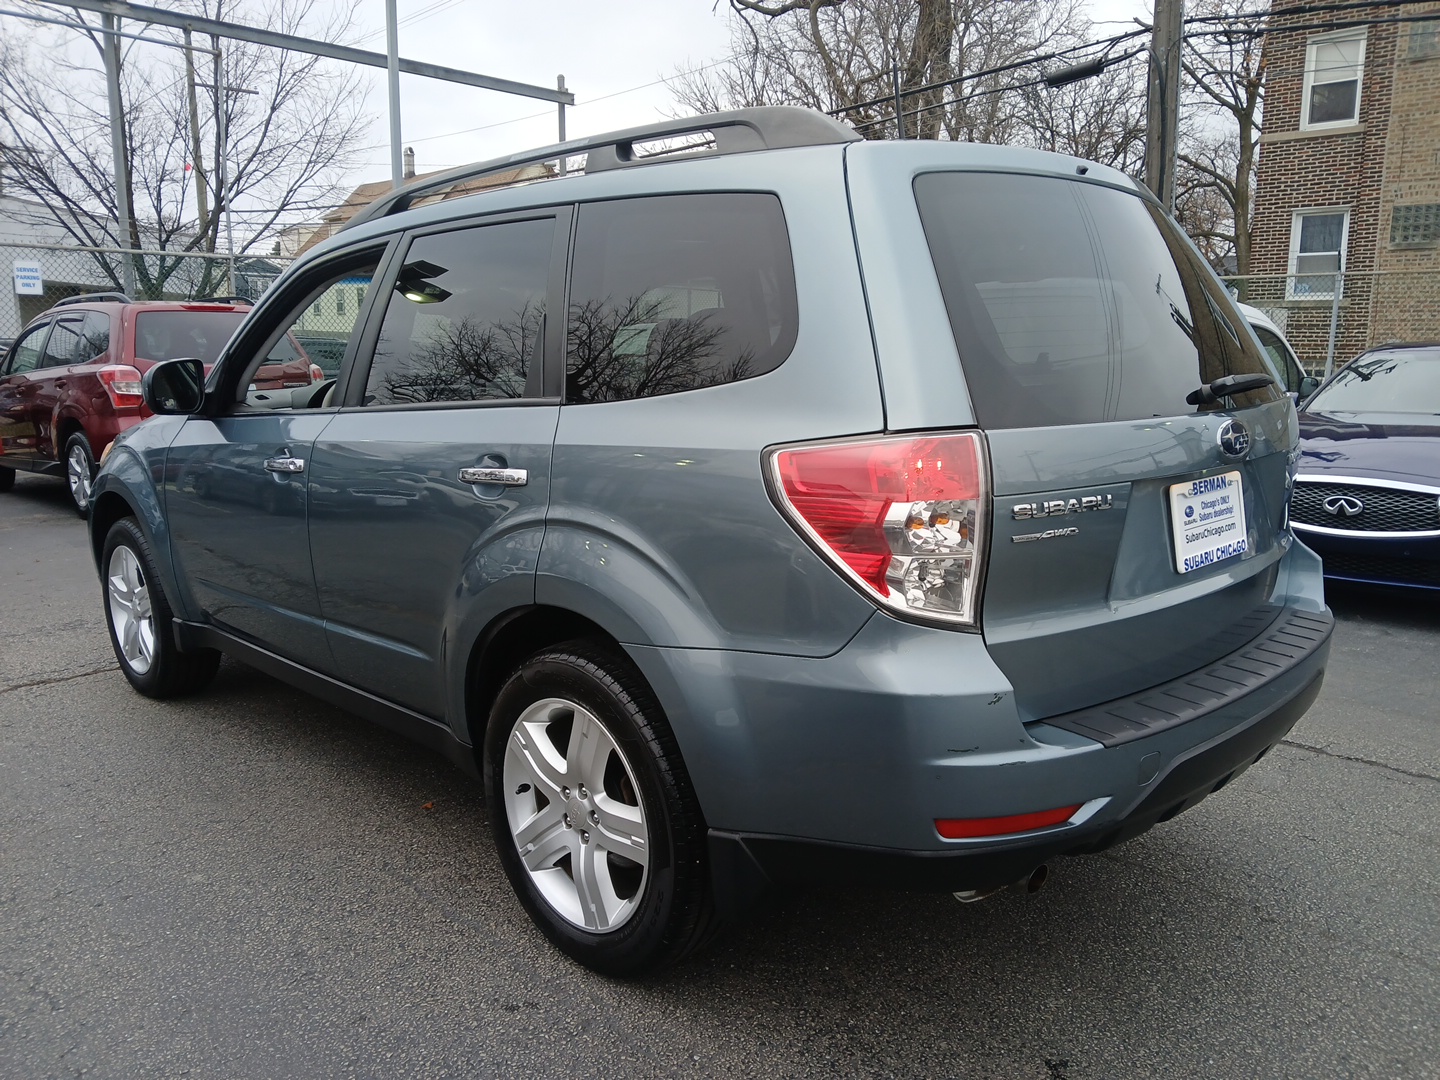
(1075, 303)
(678, 292)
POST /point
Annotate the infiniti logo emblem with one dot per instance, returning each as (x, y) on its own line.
(1343, 506)
(1234, 439)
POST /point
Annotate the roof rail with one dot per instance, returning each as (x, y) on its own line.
(769, 127)
(94, 298)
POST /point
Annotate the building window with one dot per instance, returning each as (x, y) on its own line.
(1334, 65)
(1414, 225)
(1317, 253)
(1424, 40)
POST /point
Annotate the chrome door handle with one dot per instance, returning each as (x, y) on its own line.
(285, 465)
(491, 475)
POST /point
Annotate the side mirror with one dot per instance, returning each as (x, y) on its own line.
(1308, 385)
(174, 387)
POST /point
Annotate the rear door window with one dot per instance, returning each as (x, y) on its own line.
(1075, 303)
(63, 348)
(678, 292)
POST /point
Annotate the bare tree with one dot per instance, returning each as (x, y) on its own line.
(286, 145)
(1224, 68)
(843, 56)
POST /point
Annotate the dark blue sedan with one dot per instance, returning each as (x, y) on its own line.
(1367, 492)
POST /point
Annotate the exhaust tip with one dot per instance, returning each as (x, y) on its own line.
(1036, 881)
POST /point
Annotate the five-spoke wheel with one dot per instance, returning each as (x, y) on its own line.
(79, 472)
(594, 817)
(132, 619)
(140, 620)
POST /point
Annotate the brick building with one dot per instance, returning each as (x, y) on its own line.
(1349, 179)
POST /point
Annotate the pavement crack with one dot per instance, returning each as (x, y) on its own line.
(1359, 760)
(55, 679)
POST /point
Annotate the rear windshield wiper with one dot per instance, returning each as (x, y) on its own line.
(1226, 385)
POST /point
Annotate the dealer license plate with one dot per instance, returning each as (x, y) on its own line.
(1207, 517)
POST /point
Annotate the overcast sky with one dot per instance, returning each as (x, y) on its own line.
(614, 54)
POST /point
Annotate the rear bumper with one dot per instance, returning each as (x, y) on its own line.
(838, 767)
(748, 863)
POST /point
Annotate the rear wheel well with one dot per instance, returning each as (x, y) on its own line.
(506, 643)
(67, 427)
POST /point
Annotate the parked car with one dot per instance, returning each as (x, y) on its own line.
(1289, 372)
(797, 509)
(71, 381)
(1367, 494)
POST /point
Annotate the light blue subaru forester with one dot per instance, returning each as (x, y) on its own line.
(757, 506)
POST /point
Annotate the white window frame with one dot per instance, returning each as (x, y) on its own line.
(1291, 292)
(1310, 47)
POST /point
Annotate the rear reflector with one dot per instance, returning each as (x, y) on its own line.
(968, 828)
(901, 517)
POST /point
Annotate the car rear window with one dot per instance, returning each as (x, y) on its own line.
(1401, 381)
(1075, 303)
(166, 335)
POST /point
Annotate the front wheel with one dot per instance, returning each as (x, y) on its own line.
(79, 472)
(7, 478)
(139, 618)
(594, 817)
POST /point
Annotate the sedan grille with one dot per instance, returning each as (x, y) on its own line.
(1383, 568)
(1364, 509)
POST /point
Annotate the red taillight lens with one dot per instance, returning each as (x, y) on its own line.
(317, 374)
(902, 516)
(122, 384)
(969, 828)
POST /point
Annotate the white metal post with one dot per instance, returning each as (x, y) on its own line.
(392, 50)
(111, 26)
(560, 108)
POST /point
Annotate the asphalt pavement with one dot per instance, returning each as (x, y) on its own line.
(250, 883)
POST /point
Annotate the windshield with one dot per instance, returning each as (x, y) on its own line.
(166, 335)
(1402, 381)
(1075, 303)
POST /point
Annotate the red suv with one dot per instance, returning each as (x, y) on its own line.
(71, 381)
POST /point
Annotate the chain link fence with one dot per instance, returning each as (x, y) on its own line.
(60, 271)
(1328, 326)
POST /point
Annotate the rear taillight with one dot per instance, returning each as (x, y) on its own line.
(317, 374)
(122, 384)
(902, 517)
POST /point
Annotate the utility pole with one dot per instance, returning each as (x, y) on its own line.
(1163, 116)
(222, 134)
(197, 159)
(392, 49)
(110, 26)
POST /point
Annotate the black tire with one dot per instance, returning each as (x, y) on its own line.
(7, 479)
(670, 910)
(79, 472)
(150, 659)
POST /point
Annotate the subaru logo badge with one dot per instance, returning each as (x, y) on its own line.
(1343, 506)
(1234, 440)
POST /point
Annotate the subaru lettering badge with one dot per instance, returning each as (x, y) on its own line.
(1234, 440)
(1343, 506)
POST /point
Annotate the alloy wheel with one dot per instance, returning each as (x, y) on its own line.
(130, 613)
(575, 815)
(77, 471)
